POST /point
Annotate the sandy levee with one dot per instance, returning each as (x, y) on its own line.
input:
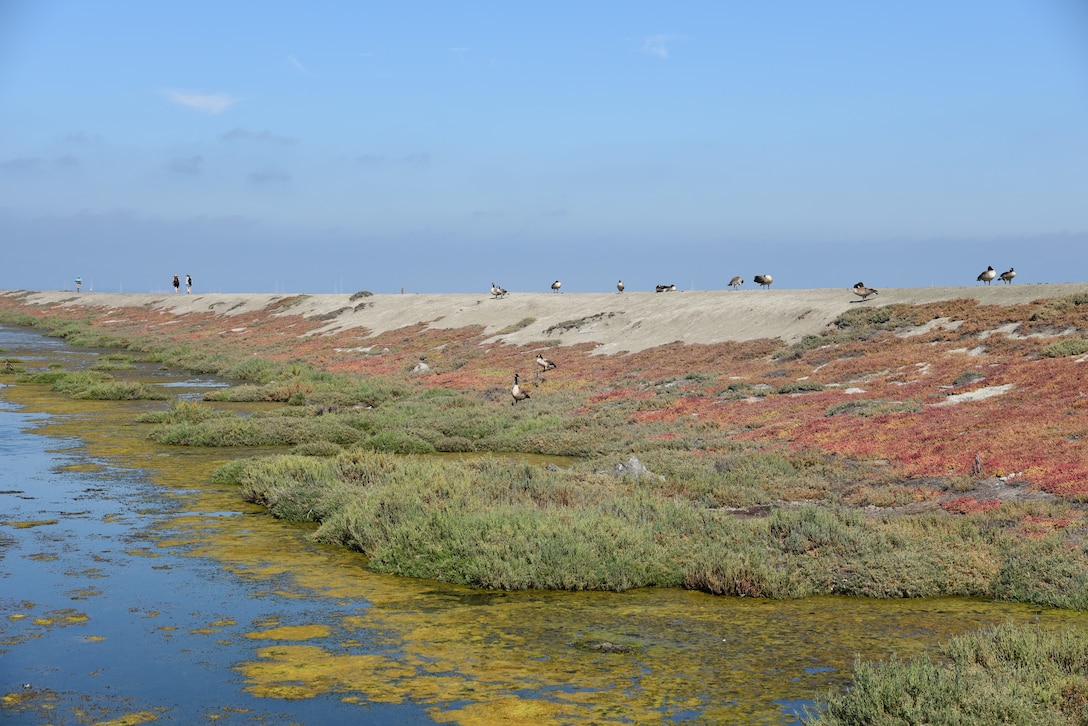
(630, 322)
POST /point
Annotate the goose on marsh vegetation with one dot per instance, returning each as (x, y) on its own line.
(517, 393)
(544, 363)
(987, 275)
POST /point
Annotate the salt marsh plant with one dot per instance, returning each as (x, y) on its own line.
(1069, 346)
(754, 493)
(501, 524)
(1005, 674)
(94, 385)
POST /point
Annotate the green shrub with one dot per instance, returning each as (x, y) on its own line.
(183, 411)
(94, 385)
(257, 431)
(317, 448)
(871, 407)
(739, 572)
(397, 442)
(1010, 674)
(800, 387)
(1048, 571)
(1069, 346)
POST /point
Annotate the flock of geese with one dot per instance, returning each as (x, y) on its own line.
(990, 273)
(764, 281)
(520, 394)
(498, 291)
(860, 289)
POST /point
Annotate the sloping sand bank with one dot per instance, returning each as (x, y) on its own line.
(631, 321)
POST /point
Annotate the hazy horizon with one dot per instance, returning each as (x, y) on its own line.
(437, 148)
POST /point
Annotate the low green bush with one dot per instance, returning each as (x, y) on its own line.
(317, 448)
(800, 387)
(1008, 674)
(270, 431)
(1069, 346)
(183, 411)
(94, 385)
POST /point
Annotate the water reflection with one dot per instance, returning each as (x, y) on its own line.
(134, 587)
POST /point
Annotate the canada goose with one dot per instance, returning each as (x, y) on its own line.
(497, 291)
(544, 363)
(987, 275)
(8, 366)
(764, 280)
(556, 285)
(619, 285)
(736, 282)
(517, 393)
(863, 292)
(1006, 277)
(665, 288)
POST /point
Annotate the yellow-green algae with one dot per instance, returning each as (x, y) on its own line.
(29, 523)
(62, 618)
(131, 719)
(475, 658)
(292, 632)
(84, 593)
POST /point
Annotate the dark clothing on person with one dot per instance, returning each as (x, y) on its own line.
(177, 283)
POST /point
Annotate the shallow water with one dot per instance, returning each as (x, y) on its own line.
(132, 588)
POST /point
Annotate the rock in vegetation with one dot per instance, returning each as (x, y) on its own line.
(633, 467)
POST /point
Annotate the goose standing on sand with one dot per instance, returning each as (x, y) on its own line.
(556, 285)
(764, 280)
(736, 282)
(619, 285)
(987, 275)
(665, 288)
(544, 363)
(863, 292)
(1006, 277)
(517, 393)
(497, 291)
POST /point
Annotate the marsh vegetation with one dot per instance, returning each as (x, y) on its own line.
(824, 467)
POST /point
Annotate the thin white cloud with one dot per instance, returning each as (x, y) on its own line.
(657, 45)
(205, 102)
(297, 64)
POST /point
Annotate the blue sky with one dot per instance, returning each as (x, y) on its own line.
(436, 146)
